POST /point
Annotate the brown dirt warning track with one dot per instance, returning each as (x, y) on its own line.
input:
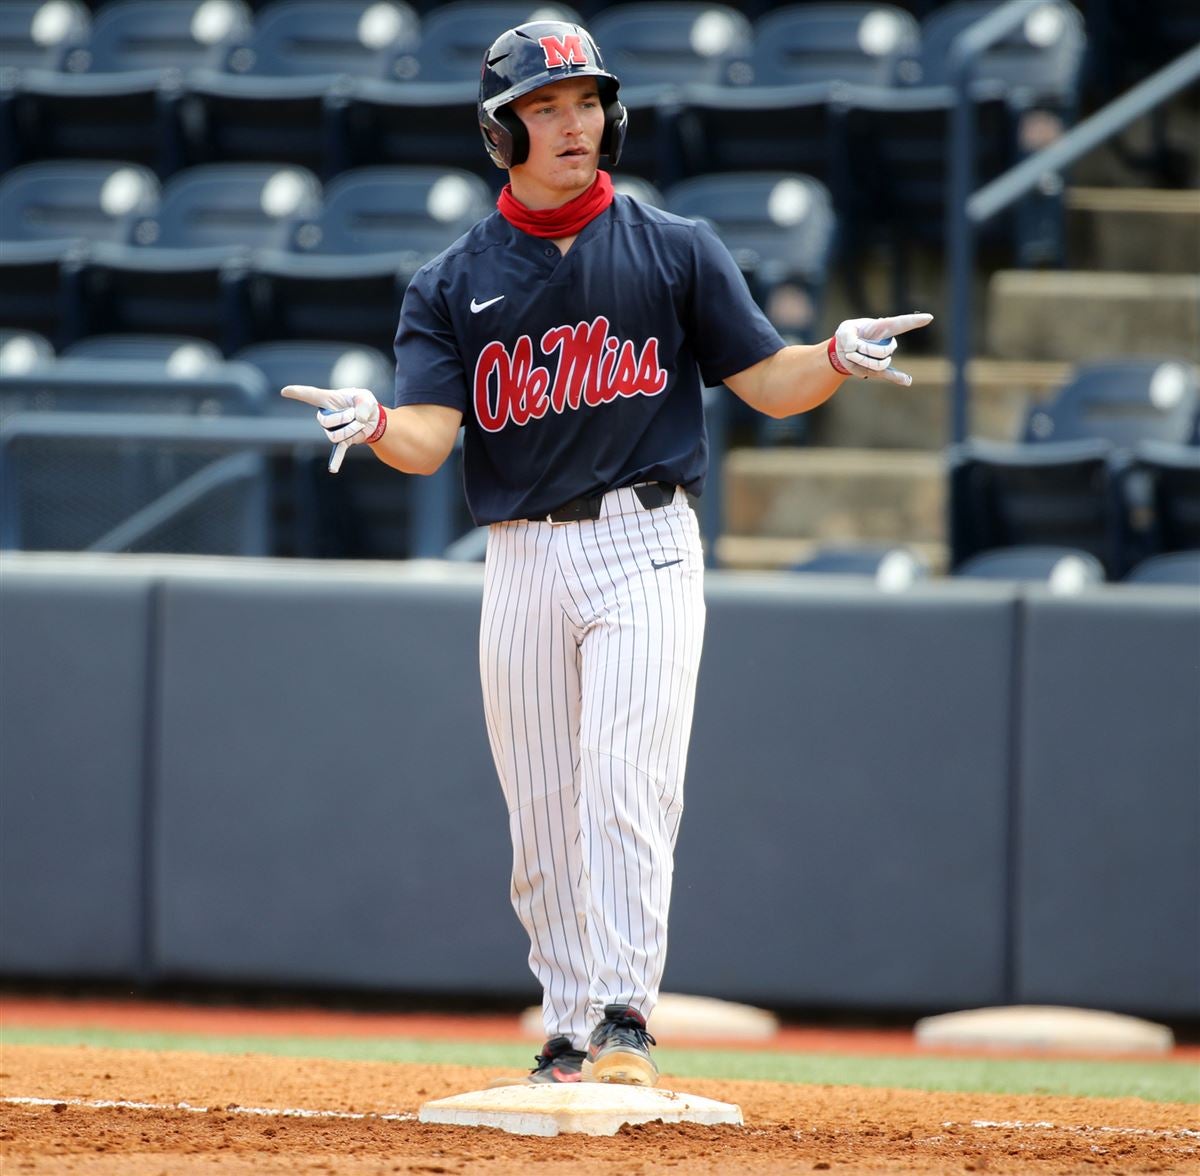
(86, 1111)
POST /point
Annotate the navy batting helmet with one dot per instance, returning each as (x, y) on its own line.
(533, 55)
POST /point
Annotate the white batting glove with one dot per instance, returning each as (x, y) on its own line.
(349, 416)
(863, 347)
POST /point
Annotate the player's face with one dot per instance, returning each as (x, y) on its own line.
(565, 121)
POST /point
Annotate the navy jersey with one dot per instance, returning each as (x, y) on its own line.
(578, 374)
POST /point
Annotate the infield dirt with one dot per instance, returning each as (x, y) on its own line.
(788, 1128)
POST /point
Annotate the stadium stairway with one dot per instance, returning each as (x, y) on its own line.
(873, 469)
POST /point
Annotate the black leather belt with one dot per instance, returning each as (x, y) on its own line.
(651, 495)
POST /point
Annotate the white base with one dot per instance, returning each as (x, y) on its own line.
(1045, 1027)
(587, 1108)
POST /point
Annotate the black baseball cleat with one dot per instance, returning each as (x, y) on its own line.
(558, 1062)
(618, 1049)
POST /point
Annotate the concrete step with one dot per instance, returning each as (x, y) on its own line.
(1134, 230)
(1072, 315)
(868, 414)
(835, 495)
(752, 553)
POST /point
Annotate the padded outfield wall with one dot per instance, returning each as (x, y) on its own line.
(276, 773)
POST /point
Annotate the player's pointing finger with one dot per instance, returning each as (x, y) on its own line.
(317, 397)
(899, 323)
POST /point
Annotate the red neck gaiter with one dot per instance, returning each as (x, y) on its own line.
(564, 221)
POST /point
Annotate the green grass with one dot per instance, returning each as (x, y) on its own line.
(1155, 1081)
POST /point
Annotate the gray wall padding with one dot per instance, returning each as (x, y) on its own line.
(1109, 830)
(844, 834)
(328, 813)
(304, 796)
(72, 718)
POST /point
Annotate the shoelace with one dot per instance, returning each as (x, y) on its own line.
(643, 1035)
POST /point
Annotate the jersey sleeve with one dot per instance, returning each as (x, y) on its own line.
(728, 330)
(429, 368)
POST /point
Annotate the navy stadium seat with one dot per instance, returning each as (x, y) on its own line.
(859, 42)
(114, 95)
(779, 227)
(321, 363)
(183, 272)
(890, 567)
(454, 37)
(639, 188)
(1056, 494)
(179, 355)
(657, 45)
(1063, 569)
(49, 214)
(1173, 567)
(1038, 68)
(422, 110)
(343, 270)
(92, 487)
(22, 350)
(1158, 487)
(1124, 401)
(34, 34)
(275, 95)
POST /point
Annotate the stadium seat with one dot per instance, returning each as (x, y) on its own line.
(183, 272)
(1173, 567)
(891, 568)
(859, 42)
(1158, 487)
(779, 227)
(1040, 62)
(22, 350)
(76, 481)
(34, 34)
(49, 213)
(320, 363)
(656, 49)
(1039, 70)
(717, 128)
(344, 269)
(114, 94)
(273, 95)
(454, 36)
(422, 110)
(1055, 494)
(1064, 570)
(1124, 401)
(178, 354)
(895, 191)
(639, 188)
(654, 46)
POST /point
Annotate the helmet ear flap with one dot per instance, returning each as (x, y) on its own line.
(518, 136)
(616, 120)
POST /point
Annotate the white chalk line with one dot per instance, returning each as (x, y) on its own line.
(1042, 1125)
(231, 1109)
(397, 1117)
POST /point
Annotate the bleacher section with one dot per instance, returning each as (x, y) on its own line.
(236, 177)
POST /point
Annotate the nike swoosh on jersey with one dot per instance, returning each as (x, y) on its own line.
(476, 307)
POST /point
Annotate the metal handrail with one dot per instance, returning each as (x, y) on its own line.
(967, 209)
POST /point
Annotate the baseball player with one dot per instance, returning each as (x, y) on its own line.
(568, 334)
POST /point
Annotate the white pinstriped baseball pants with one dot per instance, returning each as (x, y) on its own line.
(589, 649)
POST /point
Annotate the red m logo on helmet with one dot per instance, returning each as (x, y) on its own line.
(565, 51)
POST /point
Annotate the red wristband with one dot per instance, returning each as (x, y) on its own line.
(836, 363)
(380, 428)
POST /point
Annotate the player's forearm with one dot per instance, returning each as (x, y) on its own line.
(418, 437)
(793, 380)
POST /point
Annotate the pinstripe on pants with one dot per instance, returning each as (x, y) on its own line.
(588, 658)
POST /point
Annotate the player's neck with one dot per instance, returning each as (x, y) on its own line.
(540, 198)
